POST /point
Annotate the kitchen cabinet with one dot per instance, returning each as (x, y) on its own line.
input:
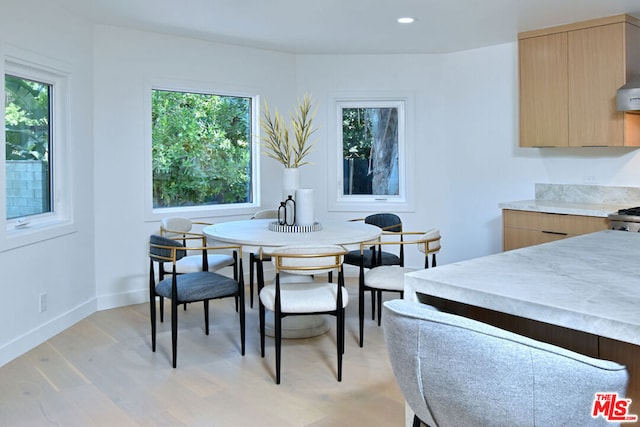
(528, 228)
(568, 79)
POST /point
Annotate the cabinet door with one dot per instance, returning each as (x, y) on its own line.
(543, 91)
(596, 71)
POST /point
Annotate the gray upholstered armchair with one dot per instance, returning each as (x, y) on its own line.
(455, 371)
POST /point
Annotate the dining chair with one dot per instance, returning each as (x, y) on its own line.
(178, 228)
(182, 229)
(191, 287)
(455, 371)
(303, 298)
(373, 256)
(253, 259)
(390, 278)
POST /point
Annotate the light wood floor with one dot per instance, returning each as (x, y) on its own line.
(101, 372)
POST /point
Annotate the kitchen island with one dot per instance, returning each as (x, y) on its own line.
(581, 293)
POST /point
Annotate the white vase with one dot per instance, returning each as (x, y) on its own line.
(290, 182)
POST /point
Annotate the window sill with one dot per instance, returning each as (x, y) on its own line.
(38, 232)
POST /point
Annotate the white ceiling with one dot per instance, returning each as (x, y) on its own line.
(348, 26)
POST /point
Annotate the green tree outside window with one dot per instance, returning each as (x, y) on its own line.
(201, 148)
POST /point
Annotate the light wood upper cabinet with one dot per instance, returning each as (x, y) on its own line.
(543, 90)
(569, 77)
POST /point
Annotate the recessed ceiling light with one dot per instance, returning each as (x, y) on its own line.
(405, 20)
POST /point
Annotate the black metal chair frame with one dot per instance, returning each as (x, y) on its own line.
(362, 287)
(185, 237)
(163, 253)
(375, 250)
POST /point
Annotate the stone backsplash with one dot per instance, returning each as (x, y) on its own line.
(575, 193)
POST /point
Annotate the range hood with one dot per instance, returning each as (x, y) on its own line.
(628, 98)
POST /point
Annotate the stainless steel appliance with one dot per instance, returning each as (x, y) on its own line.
(626, 220)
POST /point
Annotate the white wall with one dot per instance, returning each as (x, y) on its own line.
(466, 140)
(125, 62)
(464, 147)
(62, 267)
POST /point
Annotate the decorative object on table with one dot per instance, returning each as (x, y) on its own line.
(287, 212)
(283, 228)
(278, 144)
(282, 213)
(290, 181)
(290, 210)
(304, 212)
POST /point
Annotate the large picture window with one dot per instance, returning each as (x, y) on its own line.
(201, 149)
(371, 163)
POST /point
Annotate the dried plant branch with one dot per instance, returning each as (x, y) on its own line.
(276, 139)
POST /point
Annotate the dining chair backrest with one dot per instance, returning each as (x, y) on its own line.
(163, 249)
(386, 221)
(429, 241)
(455, 371)
(308, 260)
(175, 226)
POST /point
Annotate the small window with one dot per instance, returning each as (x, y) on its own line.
(371, 161)
(202, 155)
(27, 146)
(36, 196)
(370, 151)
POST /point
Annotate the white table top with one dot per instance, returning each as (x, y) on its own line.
(589, 283)
(255, 234)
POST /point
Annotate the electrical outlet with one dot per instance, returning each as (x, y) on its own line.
(42, 302)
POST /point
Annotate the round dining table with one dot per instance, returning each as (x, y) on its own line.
(258, 234)
(254, 234)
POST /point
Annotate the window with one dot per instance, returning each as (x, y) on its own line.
(28, 142)
(35, 193)
(202, 155)
(371, 153)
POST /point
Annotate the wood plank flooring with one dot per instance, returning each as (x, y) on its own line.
(101, 372)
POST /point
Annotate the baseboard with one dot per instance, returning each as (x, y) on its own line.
(33, 338)
(107, 302)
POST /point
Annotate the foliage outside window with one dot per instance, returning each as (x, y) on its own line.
(370, 150)
(201, 149)
(371, 163)
(27, 146)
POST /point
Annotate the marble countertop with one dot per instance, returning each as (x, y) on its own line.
(560, 207)
(589, 283)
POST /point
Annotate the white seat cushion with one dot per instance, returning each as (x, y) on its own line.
(193, 263)
(303, 297)
(390, 277)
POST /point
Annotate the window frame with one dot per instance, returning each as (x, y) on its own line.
(155, 214)
(340, 202)
(31, 229)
